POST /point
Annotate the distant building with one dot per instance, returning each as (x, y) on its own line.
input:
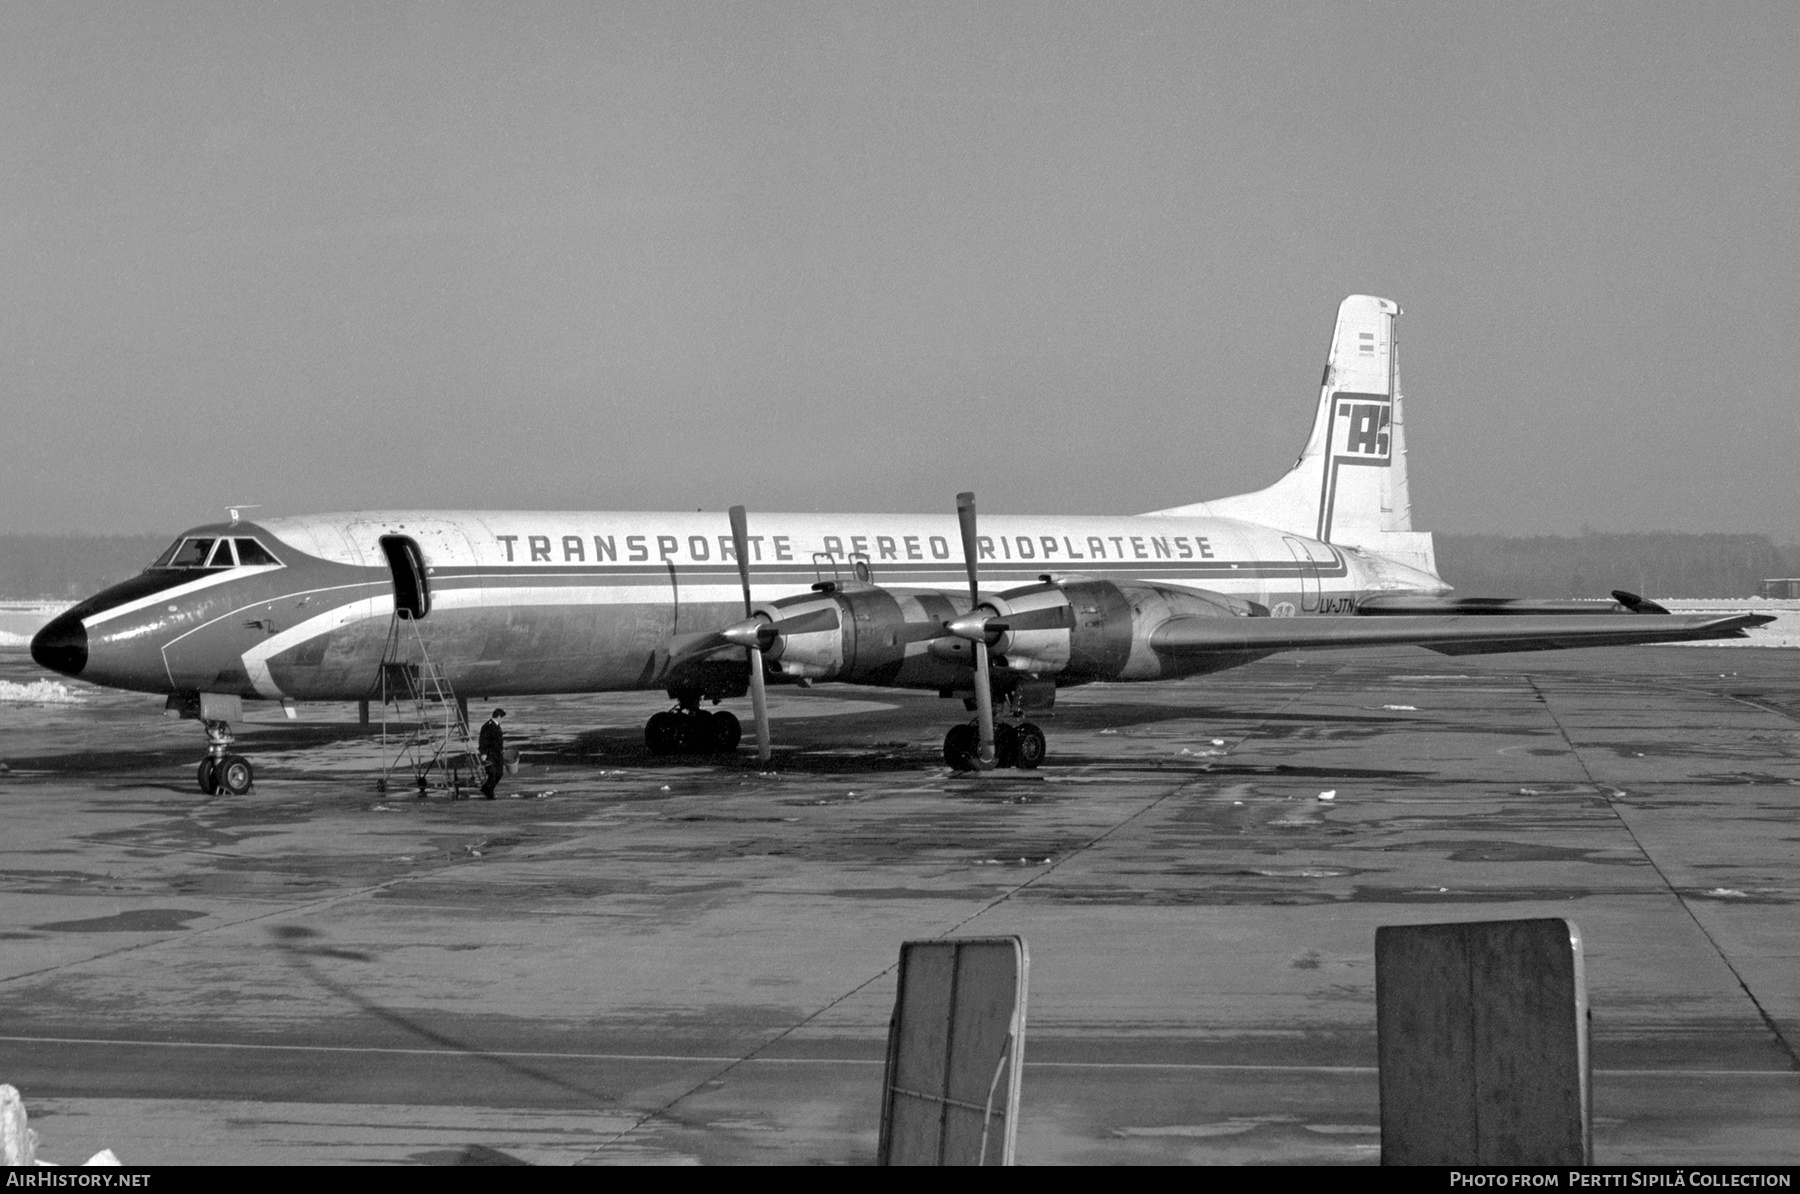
(1782, 587)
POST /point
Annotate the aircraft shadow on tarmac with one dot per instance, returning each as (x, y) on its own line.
(826, 746)
(135, 758)
(473, 1154)
(832, 749)
(1123, 714)
(301, 945)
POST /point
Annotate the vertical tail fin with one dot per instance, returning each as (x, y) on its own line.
(1349, 485)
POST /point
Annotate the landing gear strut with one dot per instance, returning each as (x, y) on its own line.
(1020, 746)
(688, 729)
(221, 771)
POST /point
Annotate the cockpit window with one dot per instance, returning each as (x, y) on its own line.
(216, 553)
(191, 554)
(251, 552)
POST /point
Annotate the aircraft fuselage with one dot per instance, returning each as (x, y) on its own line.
(589, 602)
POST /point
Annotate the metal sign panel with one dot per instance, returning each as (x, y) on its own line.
(950, 1095)
(1483, 1044)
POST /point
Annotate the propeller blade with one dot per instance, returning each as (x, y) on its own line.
(984, 697)
(759, 695)
(965, 521)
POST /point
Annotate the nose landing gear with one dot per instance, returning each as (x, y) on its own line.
(221, 771)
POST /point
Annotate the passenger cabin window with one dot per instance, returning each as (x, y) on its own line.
(191, 552)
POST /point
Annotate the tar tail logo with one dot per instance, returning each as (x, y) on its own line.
(1363, 421)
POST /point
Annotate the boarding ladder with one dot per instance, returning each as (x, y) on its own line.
(429, 736)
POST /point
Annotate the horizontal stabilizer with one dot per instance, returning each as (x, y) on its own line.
(1449, 634)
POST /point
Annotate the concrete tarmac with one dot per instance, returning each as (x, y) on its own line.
(629, 959)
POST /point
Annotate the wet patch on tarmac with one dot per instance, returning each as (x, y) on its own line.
(1480, 895)
(1490, 851)
(142, 920)
(1696, 750)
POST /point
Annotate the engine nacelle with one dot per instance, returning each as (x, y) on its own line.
(1082, 629)
(863, 634)
(1152, 605)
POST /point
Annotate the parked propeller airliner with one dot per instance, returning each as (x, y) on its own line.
(1007, 611)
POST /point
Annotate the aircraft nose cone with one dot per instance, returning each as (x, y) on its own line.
(62, 645)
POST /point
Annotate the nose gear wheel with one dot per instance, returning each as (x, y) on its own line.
(234, 775)
(222, 771)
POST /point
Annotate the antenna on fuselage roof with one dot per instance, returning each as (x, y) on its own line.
(233, 510)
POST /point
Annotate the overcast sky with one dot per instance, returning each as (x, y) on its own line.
(1077, 258)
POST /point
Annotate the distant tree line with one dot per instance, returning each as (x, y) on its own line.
(68, 567)
(1653, 564)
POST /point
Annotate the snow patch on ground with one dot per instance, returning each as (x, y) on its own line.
(1784, 631)
(19, 620)
(38, 692)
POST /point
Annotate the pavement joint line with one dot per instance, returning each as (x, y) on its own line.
(1671, 686)
(1748, 702)
(1300, 691)
(1606, 792)
(709, 1059)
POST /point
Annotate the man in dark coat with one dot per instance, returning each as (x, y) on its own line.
(493, 753)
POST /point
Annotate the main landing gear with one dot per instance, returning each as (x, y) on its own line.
(1020, 746)
(221, 771)
(688, 729)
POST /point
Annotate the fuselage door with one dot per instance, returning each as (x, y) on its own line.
(1309, 575)
(412, 591)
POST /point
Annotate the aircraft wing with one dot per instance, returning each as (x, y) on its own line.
(1447, 634)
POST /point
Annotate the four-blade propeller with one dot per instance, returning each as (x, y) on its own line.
(759, 696)
(757, 634)
(978, 635)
